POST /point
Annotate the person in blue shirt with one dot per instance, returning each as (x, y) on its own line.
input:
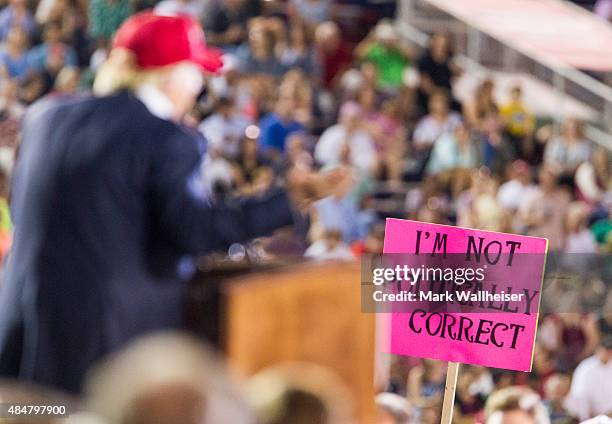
(14, 63)
(53, 54)
(16, 14)
(257, 55)
(276, 127)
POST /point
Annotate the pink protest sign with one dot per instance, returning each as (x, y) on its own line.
(489, 320)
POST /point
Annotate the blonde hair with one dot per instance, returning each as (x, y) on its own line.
(121, 72)
(515, 398)
(155, 362)
(270, 392)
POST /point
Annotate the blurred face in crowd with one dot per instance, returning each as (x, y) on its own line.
(462, 135)
(233, 4)
(482, 183)
(260, 37)
(391, 109)
(484, 96)
(487, 88)
(542, 362)
(277, 29)
(430, 415)
(492, 123)
(525, 177)
(284, 106)
(351, 121)
(576, 218)
(434, 370)
(385, 35)
(297, 155)
(572, 129)
(604, 354)
(521, 171)
(547, 178)
(557, 387)
(440, 46)
(32, 89)
(389, 43)
(225, 107)
(292, 83)
(516, 94)
(328, 37)
(18, 4)
(16, 39)
(438, 105)
(53, 34)
(374, 242)
(367, 98)
(298, 35)
(369, 72)
(430, 212)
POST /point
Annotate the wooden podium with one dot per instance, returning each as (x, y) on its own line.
(262, 316)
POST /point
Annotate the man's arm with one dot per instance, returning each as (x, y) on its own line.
(194, 222)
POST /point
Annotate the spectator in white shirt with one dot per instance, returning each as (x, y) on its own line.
(591, 391)
(579, 238)
(347, 142)
(453, 151)
(518, 187)
(439, 121)
(330, 247)
(225, 128)
(570, 149)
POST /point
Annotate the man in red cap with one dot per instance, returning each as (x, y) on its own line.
(109, 210)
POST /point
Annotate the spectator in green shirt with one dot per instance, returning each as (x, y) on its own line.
(383, 48)
(105, 16)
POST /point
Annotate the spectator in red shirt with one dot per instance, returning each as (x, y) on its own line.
(335, 57)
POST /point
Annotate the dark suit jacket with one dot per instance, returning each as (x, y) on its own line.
(108, 208)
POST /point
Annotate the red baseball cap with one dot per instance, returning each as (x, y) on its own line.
(160, 40)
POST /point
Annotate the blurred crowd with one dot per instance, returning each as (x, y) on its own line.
(302, 91)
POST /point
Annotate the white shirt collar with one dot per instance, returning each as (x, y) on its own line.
(156, 101)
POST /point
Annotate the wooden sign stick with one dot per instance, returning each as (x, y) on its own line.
(449, 393)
